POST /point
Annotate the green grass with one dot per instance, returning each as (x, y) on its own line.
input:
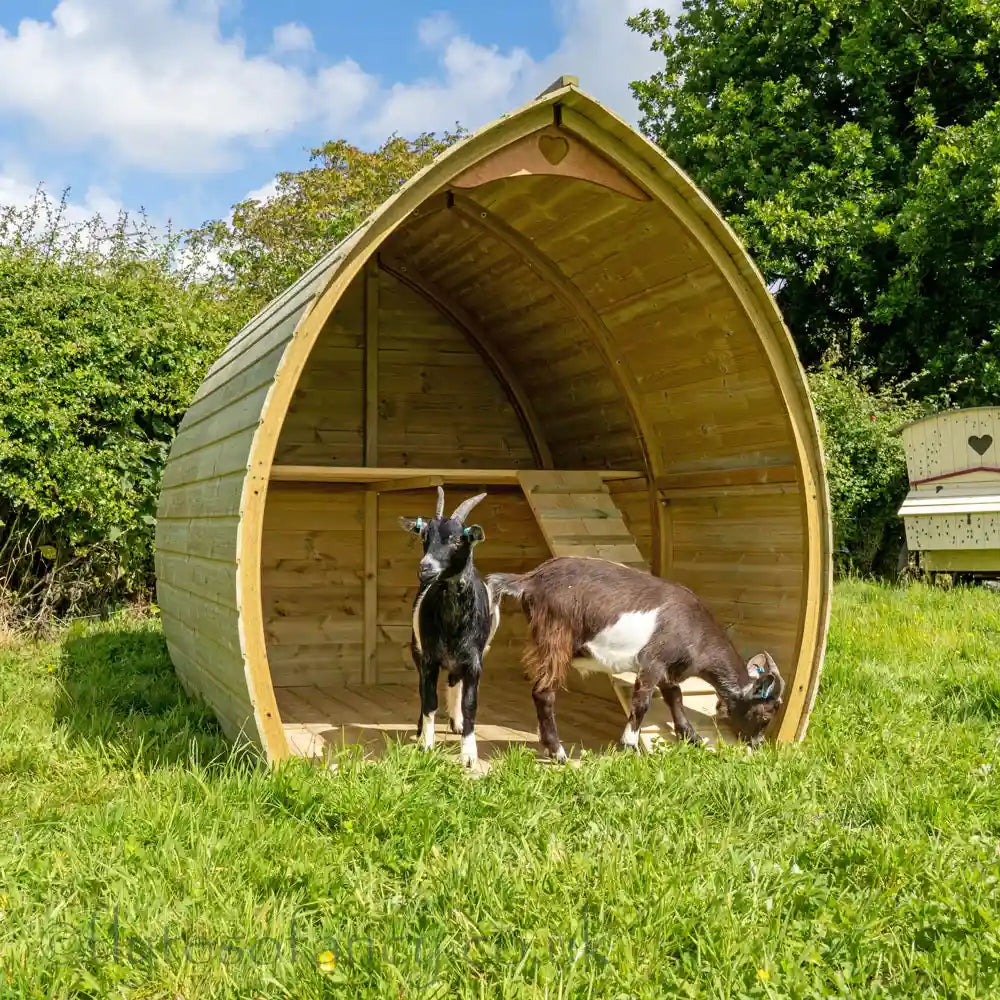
(141, 857)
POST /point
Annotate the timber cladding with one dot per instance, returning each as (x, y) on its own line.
(552, 313)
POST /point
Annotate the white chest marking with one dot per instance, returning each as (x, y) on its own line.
(616, 647)
(416, 621)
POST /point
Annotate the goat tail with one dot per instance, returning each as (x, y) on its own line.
(505, 585)
(549, 651)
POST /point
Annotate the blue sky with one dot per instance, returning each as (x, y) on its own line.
(184, 107)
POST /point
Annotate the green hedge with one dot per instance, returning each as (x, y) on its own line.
(98, 360)
(865, 465)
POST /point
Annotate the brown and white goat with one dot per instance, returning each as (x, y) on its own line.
(624, 620)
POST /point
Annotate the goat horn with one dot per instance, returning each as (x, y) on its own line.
(440, 506)
(462, 510)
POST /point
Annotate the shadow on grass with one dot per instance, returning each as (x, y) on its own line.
(977, 698)
(121, 696)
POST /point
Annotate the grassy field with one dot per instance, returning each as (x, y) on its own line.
(140, 858)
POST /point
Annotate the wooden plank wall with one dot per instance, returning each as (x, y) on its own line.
(313, 571)
(941, 445)
(706, 388)
(325, 420)
(743, 556)
(586, 422)
(438, 404)
(312, 567)
(198, 514)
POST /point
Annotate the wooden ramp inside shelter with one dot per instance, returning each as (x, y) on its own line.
(578, 517)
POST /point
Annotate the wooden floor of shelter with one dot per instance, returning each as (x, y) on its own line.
(321, 719)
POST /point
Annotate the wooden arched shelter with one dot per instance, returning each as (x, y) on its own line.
(552, 312)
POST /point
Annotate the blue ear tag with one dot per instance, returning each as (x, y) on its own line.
(465, 532)
(420, 524)
(766, 690)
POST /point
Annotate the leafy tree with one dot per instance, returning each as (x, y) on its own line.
(267, 245)
(853, 144)
(865, 466)
(102, 345)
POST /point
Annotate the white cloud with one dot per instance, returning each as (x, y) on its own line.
(437, 28)
(160, 85)
(342, 93)
(599, 48)
(153, 81)
(476, 83)
(17, 192)
(474, 79)
(293, 37)
(265, 192)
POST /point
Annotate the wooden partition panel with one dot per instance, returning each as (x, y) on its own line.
(312, 584)
(438, 402)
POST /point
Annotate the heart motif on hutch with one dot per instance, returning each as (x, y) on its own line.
(980, 445)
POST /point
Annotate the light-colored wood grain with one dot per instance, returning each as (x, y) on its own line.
(410, 276)
(580, 307)
(450, 476)
(371, 320)
(640, 334)
(550, 151)
(961, 561)
(952, 512)
(374, 716)
(369, 671)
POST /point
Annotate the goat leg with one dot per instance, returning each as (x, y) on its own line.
(468, 706)
(545, 706)
(455, 688)
(428, 704)
(642, 694)
(675, 702)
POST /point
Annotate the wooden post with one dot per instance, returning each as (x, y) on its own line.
(369, 666)
(371, 364)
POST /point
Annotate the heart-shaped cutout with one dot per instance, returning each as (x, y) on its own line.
(553, 148)
(980, 444)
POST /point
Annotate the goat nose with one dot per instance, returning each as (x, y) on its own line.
(429, 566)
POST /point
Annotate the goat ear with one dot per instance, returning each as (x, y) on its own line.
(766, 682)
(474, 533)
(414, 525)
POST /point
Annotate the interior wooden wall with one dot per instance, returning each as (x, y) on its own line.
(439, 405)
(684, 350)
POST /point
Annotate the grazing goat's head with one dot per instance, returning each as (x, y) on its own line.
(448, 541)
(753, 709)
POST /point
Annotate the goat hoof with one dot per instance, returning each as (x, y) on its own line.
(559, 756)
(628, 747)
(690, 736)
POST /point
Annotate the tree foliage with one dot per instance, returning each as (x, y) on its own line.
(267, 245)
(865, 466)
(102, 344)
(853, 144)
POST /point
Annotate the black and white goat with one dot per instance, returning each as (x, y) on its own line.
(624, 620)
(453, 620)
